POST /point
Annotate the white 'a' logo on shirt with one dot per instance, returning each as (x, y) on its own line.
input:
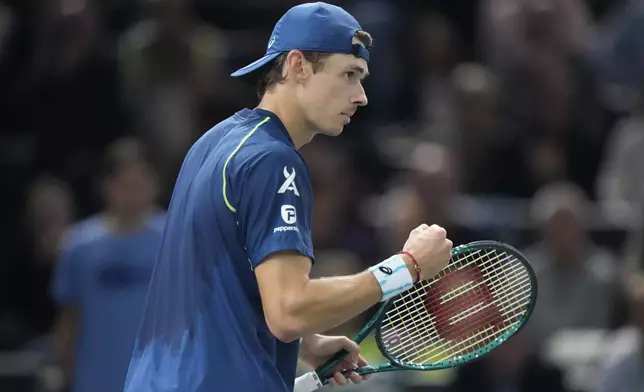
(289, 183)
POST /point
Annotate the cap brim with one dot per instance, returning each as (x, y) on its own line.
(255, 65)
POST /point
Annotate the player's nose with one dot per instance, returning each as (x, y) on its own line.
(361, 97)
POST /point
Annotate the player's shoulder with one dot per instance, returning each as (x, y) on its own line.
(265, 150)
(84, 233)
(267, 158)
(242, 120)
(229, 135)
(262, 142)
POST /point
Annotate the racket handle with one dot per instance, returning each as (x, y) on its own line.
(331, 363)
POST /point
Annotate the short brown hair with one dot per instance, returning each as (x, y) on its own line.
(273, 70)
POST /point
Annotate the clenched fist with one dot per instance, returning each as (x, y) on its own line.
(431, 249)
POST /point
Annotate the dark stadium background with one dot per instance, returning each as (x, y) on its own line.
(514, 120)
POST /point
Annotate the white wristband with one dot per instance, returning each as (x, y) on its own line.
(393, 276)
(308, 382)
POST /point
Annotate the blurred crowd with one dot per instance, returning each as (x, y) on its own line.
(513, 120)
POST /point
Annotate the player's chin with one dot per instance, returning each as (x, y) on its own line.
(334, 130)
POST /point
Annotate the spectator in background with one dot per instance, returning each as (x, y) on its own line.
(490, 156)
(617, 53)
(171, 64)
(436, 59)
(519, 32)
(26, 279)
(548, 91)
(626, 372)
(577, 278)
(50, 214)
(621, 178)
(551, 108)
(103, 274)
(562, 109)
(430, 92)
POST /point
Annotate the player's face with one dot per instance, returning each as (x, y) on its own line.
(332, 95)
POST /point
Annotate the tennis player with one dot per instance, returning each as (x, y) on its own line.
(231, 303)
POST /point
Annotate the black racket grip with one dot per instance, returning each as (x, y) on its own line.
(331, 363)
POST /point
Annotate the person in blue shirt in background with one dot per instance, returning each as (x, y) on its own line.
(231, 304)
(103, 274)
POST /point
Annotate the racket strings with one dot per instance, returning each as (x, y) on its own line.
(474, 300)
(425, 330)
(417, 350)
(415, 313)
(464, 343)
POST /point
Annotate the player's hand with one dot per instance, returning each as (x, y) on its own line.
(315, 350)
(430, 247)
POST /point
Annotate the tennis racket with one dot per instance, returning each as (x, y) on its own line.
(484, 296)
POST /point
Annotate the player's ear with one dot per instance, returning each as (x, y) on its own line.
(297, 67)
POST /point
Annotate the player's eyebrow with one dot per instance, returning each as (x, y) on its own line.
(359, 69)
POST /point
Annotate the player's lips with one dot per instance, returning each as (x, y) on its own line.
(349, 113)
(348, 116)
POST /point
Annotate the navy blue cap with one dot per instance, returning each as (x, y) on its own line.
(318, 27)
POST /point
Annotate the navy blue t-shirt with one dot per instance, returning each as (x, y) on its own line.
(105, 276)
(243, 193)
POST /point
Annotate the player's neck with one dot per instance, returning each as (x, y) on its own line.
(291, 116)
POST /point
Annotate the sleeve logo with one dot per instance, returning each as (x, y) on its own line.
(289, 183)
(288, 214)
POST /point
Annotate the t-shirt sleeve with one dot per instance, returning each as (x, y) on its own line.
(65, 282)
(275, 206)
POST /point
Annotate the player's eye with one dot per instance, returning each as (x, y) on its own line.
(351, 75)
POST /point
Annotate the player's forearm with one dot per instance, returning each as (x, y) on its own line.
(326, 303)
(296, 308)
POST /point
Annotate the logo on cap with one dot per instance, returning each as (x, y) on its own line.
(270, 42)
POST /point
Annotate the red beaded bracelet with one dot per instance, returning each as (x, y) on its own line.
(416, 266)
